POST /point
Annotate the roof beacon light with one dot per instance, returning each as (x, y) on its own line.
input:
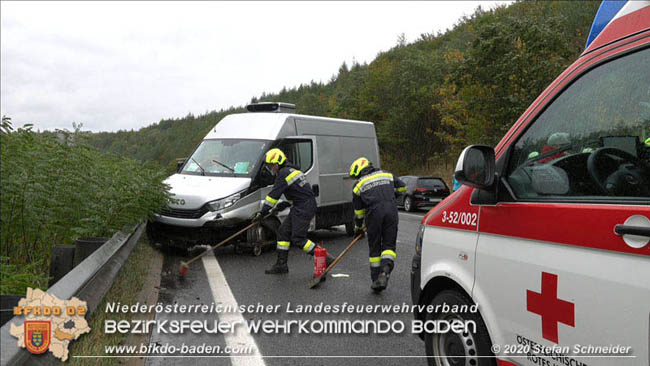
(607, 11)
(278, 107)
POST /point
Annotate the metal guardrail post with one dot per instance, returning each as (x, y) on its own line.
(89, 281)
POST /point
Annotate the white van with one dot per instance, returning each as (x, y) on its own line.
(222, 183)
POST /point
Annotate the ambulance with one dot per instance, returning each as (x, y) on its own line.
(549, 234)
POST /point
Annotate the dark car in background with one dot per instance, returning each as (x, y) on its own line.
(422, 192)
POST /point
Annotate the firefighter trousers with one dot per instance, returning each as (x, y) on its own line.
(293, 230)
(381, 222)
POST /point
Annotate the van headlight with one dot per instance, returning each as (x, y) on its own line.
(223, 203)
(418, 240)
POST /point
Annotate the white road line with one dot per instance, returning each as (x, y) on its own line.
(221, 293)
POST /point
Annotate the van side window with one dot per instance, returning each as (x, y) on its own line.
(299, 152)
(592, 142)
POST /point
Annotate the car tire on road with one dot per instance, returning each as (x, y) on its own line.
(442, 347)
(408, 204)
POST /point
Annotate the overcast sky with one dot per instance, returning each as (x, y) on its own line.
(126, 65)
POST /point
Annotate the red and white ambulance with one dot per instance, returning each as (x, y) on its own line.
(549, 234)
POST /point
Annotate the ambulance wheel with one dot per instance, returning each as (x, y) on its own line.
(408, 204)
(349, 228)
(457, 349)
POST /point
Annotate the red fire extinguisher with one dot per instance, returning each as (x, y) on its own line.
(320, 263)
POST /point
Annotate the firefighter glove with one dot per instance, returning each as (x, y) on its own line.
(257, 217)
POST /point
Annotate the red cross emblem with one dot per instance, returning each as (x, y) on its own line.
(551, 309)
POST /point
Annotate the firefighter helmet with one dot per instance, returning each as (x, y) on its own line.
(358, 165)
(275, 156)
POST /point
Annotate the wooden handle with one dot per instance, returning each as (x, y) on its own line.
(343, 253)
(227, 239)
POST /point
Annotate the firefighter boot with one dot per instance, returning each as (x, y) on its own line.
(381, 282)
(281, 265)
(374, 273)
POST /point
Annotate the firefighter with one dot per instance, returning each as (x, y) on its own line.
(374, 200)
(293, 184)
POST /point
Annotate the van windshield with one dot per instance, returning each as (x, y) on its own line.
(225, 157)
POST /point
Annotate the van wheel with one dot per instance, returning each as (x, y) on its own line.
(458, 349)
(153, 237)
(256, 234)
(257, 250)
(349, 228)
(408, 204)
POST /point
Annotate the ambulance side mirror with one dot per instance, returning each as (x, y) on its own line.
(476, 167)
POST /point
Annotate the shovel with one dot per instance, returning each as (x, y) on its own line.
(316, 281)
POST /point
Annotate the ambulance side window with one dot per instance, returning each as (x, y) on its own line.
(592, 142)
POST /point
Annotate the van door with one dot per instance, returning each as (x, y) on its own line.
(551, 270)
(301, 152)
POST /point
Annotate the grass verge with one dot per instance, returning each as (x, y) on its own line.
(126, 289)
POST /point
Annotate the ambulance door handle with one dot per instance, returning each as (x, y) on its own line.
(632, 230)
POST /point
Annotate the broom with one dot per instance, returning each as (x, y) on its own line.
(185, 266)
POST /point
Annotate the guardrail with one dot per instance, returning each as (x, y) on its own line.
(89, 281)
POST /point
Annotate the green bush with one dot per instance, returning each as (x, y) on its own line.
(55, 190)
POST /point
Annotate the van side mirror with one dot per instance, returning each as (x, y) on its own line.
(266, 178)
(179, 164)
(476, 167)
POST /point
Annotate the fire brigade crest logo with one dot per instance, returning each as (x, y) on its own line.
(50, 324)
(37, 335)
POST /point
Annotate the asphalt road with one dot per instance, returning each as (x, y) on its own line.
(246, 281)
